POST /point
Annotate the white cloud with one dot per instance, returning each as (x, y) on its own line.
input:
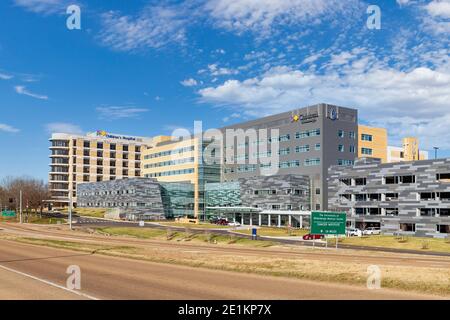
(8, 128)
(404, 2)
(62, 127)
(4, 76)
(23, 90)
(234, 115)
(439, 8)
(377, 90)
(43, 6)
(262, 15)
(154, 27)
(189, 82)
(215, 70)
(118, 112)
(437, 18)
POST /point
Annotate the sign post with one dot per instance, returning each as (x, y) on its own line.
(254, 234)
(328, 223)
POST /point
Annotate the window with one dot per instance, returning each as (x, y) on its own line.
(366, 137)
(300, 149)
(391, 196)
(366, 151)
(112, 146)
(443, 228)
(392, 211)
(125, 172)
(125, 148)
(308, 133)
(409, 227)
(86, 153)
(112, 163)
(341, 133)
(341, 148)
(346, 181)
(284, 152)
(112, 155)
(351, 134)
(427, 212)
(312, 162)
(285, 137)
(86, 178)
(317, 191)
(86, 144)
(443, 177)
(427, 196)
(343, 162)
(352, 149)
(99, 154)
(99, 145)
(360, 181)
(112, 172)
(317, 147)
(99, 162)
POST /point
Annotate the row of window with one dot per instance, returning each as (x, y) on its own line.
(120, 204)
(169, 163)
(282, 165)
(100, 145)
(275, 192)
(169, 152)
(406, 179)
(169, 173)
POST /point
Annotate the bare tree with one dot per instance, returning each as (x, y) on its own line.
(35, 193)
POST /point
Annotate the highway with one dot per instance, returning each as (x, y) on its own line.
(369, 257)
(35, 272)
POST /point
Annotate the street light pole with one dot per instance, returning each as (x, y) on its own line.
(20, 205)
(435, 152)
(70, 210)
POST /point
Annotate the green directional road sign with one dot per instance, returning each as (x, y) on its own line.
(325, 223)
(7, 213)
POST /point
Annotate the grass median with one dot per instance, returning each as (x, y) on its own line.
(408, 243)
(187, 235)
(276, 232)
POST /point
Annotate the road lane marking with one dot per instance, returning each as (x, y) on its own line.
(49, 283)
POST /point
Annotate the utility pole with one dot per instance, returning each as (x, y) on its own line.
(70, 209)
(20, 205)
(435, 152)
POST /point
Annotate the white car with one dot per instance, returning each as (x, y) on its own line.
(372, 231)
(234, 224)
(353, 232)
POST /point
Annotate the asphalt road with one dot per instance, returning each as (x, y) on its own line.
(104, 277)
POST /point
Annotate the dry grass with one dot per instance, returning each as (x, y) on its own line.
(276, 232)
(89, 212)
(201, 225)
(182, 236)
(410, 243)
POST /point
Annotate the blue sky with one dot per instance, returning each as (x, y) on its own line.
(147, 67)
